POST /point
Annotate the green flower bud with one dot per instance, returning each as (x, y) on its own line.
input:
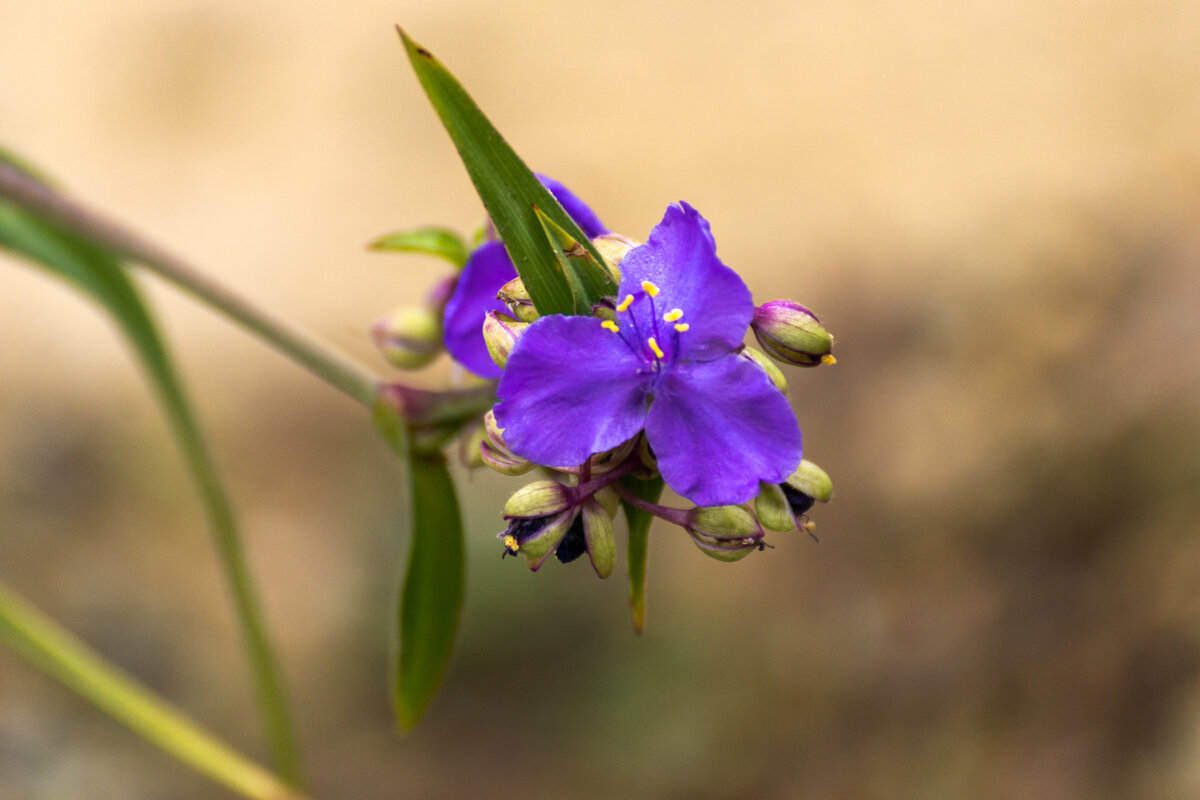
(808, 484)
(774, 373)
(500, 333)
(410, 337)
(514, 295)
(613, 247)
(812, 481)
(773, 509)
(726, 533)
(791, 333)
(538, 499)
(598, 534)
(537, 537)
(495, 453)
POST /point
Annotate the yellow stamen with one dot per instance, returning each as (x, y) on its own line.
(626, 303)
(649, 288)
(681, 326)
(511, 543)
(610, 325)
(654, 346)
(673, 315)
(828, 359)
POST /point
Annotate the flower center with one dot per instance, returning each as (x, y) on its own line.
(656, 344)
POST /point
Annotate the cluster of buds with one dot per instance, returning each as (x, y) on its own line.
(652, 384)
(547, 517)
(567, 519)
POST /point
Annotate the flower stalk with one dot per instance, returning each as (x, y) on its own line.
(319, 359)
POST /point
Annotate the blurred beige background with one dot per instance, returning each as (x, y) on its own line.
(995, 206)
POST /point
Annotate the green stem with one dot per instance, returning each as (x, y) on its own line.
(313, 355)
(265, 669)
(62, 656)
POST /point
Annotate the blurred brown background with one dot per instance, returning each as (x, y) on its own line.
(995, 206)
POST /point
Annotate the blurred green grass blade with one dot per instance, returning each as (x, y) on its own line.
(509, 191)
(639, 544)
(59, 654)
(100, 276)
(432, 595)
(429, 241)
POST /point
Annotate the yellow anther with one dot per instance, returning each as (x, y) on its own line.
(673, 315)
(626, 303)
(654, 346)
(649, 288)
(809, 526)
(681, 326)
(610, 325)
(510, 542)
(828, 359)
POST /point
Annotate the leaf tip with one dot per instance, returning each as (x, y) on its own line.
(406, 719)
(411, 45)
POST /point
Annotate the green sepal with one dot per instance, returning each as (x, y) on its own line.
(438, 242)
(509, 190)
(598, 532)
(639, 544)
(772, 508)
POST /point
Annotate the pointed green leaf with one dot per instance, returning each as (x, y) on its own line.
(585, 274)
(100, 276)
(432, 596)
(431, 241)
(639, 544)
(509, 190)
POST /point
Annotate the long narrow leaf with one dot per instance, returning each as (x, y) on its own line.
(510, 192)
(431, 598)
(59, 654)
(101, 277)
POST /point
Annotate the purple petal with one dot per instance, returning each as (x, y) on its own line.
(486, 271)
(680, 258)
(576, 209)
(718, 428)
(571, 389)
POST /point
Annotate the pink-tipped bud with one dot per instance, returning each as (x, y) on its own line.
(792, 334)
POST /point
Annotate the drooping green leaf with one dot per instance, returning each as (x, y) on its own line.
(509, 190)
(100, 276)
(639, 544)
(432, 595)
(438, 242)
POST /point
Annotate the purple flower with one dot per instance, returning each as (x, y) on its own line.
(489, 268)
(575, 386)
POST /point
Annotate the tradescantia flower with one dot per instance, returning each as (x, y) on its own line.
(488, 269)
(667, 363)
